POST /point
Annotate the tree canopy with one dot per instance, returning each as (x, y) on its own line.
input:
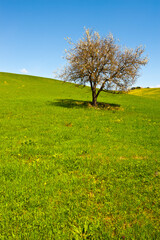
(101, 62)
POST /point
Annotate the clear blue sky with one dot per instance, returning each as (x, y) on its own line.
(32, 32)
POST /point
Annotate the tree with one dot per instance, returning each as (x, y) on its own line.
(101, 62)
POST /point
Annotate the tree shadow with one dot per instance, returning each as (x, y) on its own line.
(72, 103)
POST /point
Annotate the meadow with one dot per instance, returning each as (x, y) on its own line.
(71, 171)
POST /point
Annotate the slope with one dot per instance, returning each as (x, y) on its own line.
(147, 92)
(71, 171)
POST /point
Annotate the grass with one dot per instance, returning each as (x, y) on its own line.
(71, 171)
(147, 92)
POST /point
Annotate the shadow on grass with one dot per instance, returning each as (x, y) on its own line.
(71, 103)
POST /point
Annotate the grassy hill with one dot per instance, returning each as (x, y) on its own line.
(71, 171)
(147, 92)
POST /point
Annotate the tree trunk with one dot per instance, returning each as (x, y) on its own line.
(94, 97)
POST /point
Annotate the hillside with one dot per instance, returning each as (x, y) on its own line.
(147, 92)
(71, 171)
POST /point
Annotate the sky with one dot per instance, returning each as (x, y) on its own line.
(33, 32)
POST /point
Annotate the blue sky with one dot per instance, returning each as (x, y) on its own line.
(32, 32)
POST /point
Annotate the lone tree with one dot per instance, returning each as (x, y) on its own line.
(102, 62)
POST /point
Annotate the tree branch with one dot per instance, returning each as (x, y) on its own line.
(101, 88)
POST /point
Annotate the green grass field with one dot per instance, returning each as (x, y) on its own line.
(71, 171)
(147, 92)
